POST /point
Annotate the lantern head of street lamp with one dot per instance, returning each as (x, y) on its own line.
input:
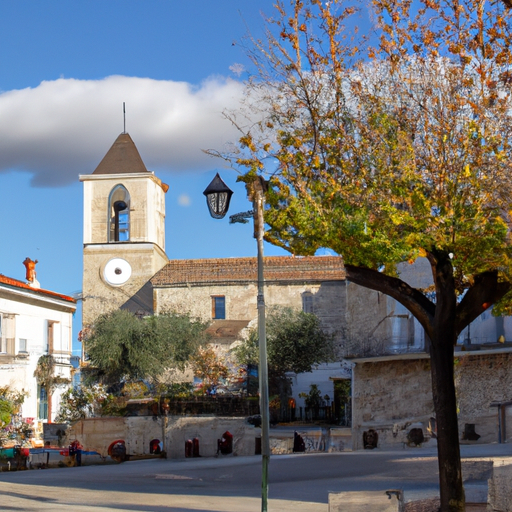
(218, 195)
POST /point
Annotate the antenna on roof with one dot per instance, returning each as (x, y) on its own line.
(124, 118)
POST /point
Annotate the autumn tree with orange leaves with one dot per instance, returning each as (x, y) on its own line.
(208, 366)
(388, 146)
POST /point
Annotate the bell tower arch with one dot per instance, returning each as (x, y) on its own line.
(119, 213)
(124, 232)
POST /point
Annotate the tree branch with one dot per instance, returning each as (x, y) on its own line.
(486, 291)
(415, 301)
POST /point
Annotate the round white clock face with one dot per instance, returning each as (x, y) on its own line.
(117, 271)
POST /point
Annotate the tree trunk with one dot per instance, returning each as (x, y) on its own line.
(445, 405)
(443, 337)
(440, 323)
(443, 320)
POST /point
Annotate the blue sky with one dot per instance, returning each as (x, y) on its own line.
(65, 70)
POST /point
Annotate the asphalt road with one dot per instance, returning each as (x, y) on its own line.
(297, 483)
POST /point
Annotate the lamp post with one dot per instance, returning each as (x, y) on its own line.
(218, 196)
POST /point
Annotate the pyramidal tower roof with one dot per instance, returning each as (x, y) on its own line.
(122, 158)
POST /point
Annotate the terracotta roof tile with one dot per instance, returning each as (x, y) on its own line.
(38, 291)
(242, 270)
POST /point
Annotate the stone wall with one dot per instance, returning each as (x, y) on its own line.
(392, 396)
(328, 301)
(99, 297)
(147, 207)
(500, 487)
(96, 434)
(315, 439)
(208, 430)
(480, 380)
(145, 250)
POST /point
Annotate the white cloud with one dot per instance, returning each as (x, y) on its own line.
(184, 200)
(237, 69)
(63, 128)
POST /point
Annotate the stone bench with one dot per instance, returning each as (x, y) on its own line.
(366, 501)
(500, 487)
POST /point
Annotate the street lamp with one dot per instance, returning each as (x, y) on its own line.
(218, 195)
(218, 207)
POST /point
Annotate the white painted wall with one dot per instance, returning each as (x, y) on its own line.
(32, 315)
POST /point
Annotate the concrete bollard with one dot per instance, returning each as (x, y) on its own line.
(366, 501)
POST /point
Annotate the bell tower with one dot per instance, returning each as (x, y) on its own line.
(124, 232)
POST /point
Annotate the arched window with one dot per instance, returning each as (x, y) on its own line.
(307, 302)
(119, 214)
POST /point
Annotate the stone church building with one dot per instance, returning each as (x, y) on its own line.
(126, 266)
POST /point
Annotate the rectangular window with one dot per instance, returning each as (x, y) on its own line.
(218, 307)
(307, 303)
(23, 345)
(7, 333)
(49, 336)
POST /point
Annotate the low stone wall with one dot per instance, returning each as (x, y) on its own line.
(476, 469)
(208, 430)
(97, 434)
(392, 396)
(315, 440)
(500, 487)
(340, 439)
(480, 380)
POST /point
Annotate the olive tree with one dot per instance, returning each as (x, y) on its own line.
(296, 343)
(121, 346)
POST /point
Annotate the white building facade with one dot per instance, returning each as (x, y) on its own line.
(34, 322)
